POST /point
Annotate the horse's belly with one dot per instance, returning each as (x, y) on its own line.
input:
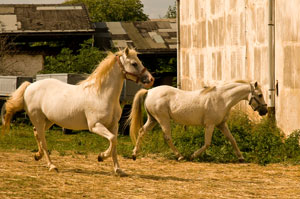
(75, 122)
(187, 118)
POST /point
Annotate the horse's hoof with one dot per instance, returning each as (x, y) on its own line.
(180, 158)
(100, 159)
(133, 157)
(37, 157)
(120, 173)
(192, 158)
(53, 168)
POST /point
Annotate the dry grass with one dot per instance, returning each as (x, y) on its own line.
(81, 176)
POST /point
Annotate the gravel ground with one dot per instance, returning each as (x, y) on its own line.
(81, 176)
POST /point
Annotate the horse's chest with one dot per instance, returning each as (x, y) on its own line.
(107, 115)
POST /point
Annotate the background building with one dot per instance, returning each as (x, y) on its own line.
(221, 40)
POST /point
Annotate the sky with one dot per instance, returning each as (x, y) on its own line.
(154, 8)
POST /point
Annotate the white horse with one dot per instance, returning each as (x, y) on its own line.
(93, 104)
(208, 107)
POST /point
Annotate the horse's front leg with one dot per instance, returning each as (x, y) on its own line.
(166, 127)
(117, 169)
(225, 130)
(208, 135)
(101, 130)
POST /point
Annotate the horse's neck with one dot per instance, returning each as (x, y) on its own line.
(112, 85)
(235, 93)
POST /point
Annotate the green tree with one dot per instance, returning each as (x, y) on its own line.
(171, 13)
(82, 61)
(113, 10)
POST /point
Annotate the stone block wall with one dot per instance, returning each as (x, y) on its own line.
(21, 65)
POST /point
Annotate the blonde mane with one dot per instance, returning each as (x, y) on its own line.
(242, 81)
(97, 76)
(208, 89)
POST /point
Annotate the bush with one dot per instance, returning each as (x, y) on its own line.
(260, 143)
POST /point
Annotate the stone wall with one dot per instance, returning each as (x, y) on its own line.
(223, 40)
(21, 65)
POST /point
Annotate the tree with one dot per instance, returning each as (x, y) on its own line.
(171, 13)
(83, 61)
(113, 10)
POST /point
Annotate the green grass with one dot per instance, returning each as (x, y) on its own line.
(21, 137)
(260, 143)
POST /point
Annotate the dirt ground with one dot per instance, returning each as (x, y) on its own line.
(81, 176)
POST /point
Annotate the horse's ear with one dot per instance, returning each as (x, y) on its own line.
(126, 51)
(255, 84)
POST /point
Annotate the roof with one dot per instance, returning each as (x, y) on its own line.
(16, 18)
(156, 36)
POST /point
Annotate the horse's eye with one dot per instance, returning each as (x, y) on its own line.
(135, 64)
(260, 95)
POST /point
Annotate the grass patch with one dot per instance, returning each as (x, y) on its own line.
(21, 137)
(261, 143)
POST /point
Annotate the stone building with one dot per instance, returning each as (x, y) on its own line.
(222, 40)
(26, 24)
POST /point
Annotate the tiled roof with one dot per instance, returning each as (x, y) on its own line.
(144, 36)
(44, 18)
(34, 22)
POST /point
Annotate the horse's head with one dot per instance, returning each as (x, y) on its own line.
(257, 101)
(133, 68)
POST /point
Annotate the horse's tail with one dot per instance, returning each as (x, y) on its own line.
(135, 117)
(14, 104)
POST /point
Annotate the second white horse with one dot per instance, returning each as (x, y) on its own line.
(208, 107)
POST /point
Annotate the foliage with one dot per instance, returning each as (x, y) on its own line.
(83, 61)
(113, 10)
(171, 13)
(166, 65)
(260, 143)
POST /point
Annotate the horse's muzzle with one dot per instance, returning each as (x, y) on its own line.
(263, 111)
(147, 81)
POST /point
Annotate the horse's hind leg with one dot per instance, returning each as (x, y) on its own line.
(40, 152)
(148, 126)
(225, 130)
(41, 123)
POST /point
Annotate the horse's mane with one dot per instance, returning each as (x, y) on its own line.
(103, 68)
(242, 81)
(208, 89)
